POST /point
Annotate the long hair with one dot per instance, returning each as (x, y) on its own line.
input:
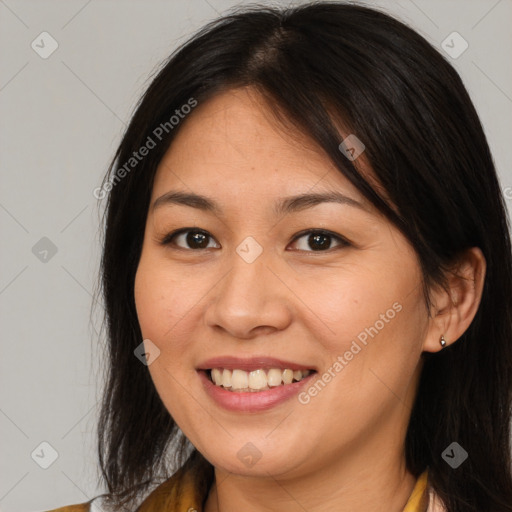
(320, 67)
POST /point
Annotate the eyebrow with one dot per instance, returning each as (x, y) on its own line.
(283, 206)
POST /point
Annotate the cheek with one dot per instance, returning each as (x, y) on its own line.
(163, 302)
(356, 301)
(374, 320)
(163, 298)
(377, 356)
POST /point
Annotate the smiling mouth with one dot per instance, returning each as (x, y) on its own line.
(257, 380)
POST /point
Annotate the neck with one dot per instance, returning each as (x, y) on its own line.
(369, 483)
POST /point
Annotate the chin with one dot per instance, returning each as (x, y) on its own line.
(249, 460)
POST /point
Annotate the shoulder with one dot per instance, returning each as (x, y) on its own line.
(82, 507)
(435, 503)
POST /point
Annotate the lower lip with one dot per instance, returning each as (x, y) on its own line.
(251, 401)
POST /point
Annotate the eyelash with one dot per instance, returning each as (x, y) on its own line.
(168, 239)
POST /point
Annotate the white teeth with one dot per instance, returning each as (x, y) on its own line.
(217, 376)
(274, 377)
(239, 379)
(257, 380)
(226, 378)
(287, 376)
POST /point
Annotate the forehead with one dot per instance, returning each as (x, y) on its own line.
(233, 143)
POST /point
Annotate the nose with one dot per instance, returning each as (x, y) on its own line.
(249, 301)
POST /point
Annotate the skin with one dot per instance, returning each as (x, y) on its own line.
(343, 450)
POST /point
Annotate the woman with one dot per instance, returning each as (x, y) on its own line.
(307, 276)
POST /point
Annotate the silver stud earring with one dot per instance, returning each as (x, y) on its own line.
(442, 341)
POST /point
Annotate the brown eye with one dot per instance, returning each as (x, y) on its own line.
(192, 238)
(319, 241)
(197, 239)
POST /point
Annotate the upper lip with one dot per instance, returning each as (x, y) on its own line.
(250, 364)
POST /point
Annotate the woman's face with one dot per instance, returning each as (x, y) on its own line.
(247, 283)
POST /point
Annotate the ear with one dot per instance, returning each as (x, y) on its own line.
(454, 307)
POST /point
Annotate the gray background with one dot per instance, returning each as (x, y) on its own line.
(60, 121)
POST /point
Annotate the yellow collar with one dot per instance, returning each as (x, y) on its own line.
(418, 500)
(180, 493)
